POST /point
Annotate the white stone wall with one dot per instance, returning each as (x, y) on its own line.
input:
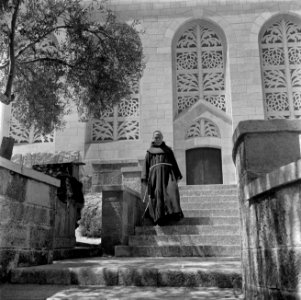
(241, 22)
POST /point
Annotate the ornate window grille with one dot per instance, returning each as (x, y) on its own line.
(202, 128)
(199, 55)
(22, 135)
(280, 45)
(120, 122)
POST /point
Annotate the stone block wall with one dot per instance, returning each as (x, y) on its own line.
(27, 214)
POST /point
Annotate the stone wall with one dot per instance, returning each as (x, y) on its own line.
(27, 214)
(267, 156)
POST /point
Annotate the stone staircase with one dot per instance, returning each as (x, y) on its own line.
(196, 257)
(211, 227)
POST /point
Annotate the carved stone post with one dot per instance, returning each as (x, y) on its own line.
(6, 148)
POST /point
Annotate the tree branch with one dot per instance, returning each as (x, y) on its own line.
(11, 71)
(40, 38)
(60, 61)
(4, 65)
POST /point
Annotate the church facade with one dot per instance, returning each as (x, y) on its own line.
(209, 65)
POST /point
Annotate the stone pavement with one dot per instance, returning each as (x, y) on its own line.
(128, 278)
(60, 292)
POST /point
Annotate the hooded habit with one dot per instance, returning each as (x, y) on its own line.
(160, 172)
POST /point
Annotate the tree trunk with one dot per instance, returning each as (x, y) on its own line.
(6, 149)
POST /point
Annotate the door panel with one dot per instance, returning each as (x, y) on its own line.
(204, 166)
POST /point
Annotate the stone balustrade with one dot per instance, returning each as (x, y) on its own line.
(267, 157)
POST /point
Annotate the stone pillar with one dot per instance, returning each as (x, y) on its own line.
(122, 210)
(268, 210)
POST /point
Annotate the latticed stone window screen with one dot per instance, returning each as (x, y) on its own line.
(120, 122)
(280, 44)
(22, 135)
(202, 128)
(200, 66)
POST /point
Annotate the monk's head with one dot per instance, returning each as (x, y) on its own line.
(157, 137)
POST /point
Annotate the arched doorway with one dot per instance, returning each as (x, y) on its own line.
(204, 166)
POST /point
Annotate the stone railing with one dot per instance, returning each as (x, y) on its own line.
(122, 210)
(267, 157)
(27, 216)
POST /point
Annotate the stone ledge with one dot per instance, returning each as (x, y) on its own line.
(284, 175)
(113, 161)
(131, 169)
(32, 174)
(261, 126)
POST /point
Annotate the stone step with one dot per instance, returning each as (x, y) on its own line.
(80, 251)
(191, 213)
(178, 251)
(226, 192)
(184, 240)
(188, 229)
(209, 205)
(147, 271)
(220, 187)
(212, 220)
(215, 199)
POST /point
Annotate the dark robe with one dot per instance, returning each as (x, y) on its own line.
(160, 172)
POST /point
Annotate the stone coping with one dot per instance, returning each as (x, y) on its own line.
(131, 169)
(111, 161)
(283, 176)
(260, 126)
(43, 158)
(119, 187)
(7, 164)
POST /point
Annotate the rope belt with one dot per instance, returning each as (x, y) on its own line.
(159, 165)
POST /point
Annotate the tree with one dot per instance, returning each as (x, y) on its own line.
(57, 51)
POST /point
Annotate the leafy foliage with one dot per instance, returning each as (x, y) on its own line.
(91, 216)
(56, 51)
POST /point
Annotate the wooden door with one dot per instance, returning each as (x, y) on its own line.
(204, 166)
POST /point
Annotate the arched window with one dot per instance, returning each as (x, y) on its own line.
(23, 135)
(199, 60)
(280, 47)
(120, 122)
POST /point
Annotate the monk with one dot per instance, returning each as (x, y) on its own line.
(161, 173)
